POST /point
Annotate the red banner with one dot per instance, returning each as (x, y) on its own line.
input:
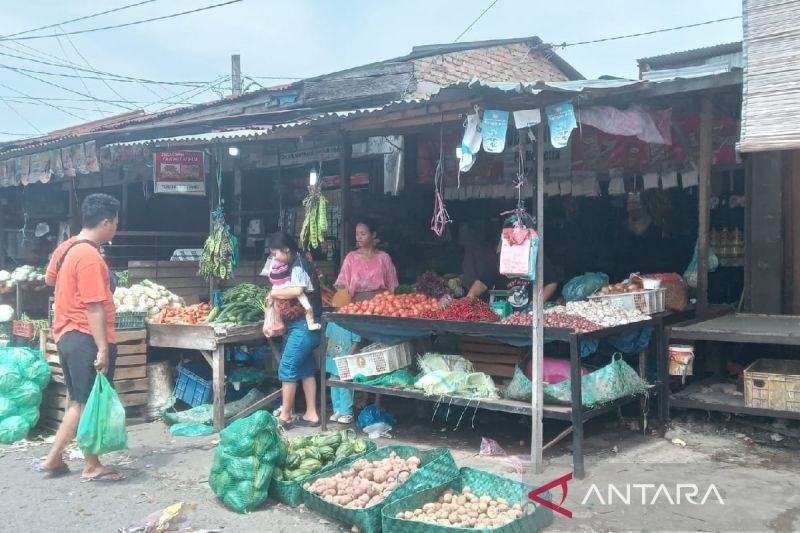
(179, 172)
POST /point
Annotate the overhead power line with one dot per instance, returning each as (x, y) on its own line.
(479, 17)
(109, 75)
(652, 32)
(18, 134)
(125, 25)
(23, 117)
(86, 17)
(56, 107)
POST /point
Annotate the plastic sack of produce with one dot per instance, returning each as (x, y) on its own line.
(102, 426)
(248, 452)
(520, 387)
(615, 380)
(579, 287)
(23, 375)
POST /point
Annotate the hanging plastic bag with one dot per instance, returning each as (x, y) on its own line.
(102, 426)
(273, 323)
(691, 271)
(518, 252)
(615, 380)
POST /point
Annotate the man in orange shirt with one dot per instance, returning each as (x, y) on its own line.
(84, 317)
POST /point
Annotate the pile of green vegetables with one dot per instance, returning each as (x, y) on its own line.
(221, 250)
(243, 304)
(310, 454)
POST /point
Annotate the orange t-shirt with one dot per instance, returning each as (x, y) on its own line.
(83, 279)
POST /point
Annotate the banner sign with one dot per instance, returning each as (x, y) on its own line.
(179, 172)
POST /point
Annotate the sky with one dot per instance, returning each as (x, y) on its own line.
(296, 39)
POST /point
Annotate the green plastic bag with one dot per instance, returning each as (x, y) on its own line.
(190, 429)
(102, 426)
(615, 380)
(401, 378)
(520, 387)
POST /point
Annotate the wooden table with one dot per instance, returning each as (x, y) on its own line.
(210, 341)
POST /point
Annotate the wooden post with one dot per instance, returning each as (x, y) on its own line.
(237, 204)
(537, 345)
(345, 170)
(218, 384)
(3, 238)
(704, 202)
(236, 75)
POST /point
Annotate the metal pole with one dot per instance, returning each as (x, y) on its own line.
(345, 170)
(703, 202)
(537, 344)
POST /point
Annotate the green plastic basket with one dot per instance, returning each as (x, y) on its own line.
(130, 320)
(291, 492)
(437, 467)
(482, 484)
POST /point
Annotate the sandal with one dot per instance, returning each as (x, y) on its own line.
(302, 422)
(111, 476)
(287, 424)
(335, 417)
(62, 470)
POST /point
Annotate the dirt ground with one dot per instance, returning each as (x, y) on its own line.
(754, 469)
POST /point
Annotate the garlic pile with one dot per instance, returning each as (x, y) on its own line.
(465, 510)
(602, 313)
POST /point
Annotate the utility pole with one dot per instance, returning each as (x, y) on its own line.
(236, 75)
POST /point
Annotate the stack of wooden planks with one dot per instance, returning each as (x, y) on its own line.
(491, 357)
(130, 376)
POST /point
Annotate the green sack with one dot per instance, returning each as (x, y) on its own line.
(401, 378)
(13, 428)
(249, 450)
(190, 430)
(615, 380)
(102, 426)
(520, 387)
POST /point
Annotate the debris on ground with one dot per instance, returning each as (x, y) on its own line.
(490, 448)
(162, 520)
(679, 442)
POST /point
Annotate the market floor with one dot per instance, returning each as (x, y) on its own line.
(758, 482)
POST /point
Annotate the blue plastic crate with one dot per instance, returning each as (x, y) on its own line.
(191, 388)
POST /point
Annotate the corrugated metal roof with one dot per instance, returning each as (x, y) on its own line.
(695, 54)
(708, 69)
(771, 96)
(246, 134)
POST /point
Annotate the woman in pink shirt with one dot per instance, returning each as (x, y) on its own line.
(365, 273)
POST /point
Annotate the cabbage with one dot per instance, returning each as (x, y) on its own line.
(6, 313)
(5, 275)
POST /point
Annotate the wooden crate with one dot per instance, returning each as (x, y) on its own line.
(130, 376)
(490, 356)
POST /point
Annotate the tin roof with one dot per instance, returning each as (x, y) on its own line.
(695, 54)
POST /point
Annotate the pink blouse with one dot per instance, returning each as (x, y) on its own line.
(360, 274)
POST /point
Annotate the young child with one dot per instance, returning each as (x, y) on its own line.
(280, 275)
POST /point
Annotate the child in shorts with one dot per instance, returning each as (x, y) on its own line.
(280, 275)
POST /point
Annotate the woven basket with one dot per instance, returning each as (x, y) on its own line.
(437, 467)
(482, 484)
(291, 492)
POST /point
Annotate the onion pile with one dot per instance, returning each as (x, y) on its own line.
(604, 314)
(465, 510)
(431, 285)
(366, 483)
(518, 319)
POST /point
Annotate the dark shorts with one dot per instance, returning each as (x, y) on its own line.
(77, 352)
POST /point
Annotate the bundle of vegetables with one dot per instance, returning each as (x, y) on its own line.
(122, 278)
(190, 315)
(38, 324)
(365, 483)
(315, 223)
(432, 285)
(465, 510)
(243, 304)
(396, 305)
(145, 297)
(21, 275)
(464, 310)
(220, 252)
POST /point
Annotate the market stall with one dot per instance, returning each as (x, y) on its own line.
(575, 412)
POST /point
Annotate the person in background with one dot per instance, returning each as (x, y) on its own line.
(84, 325)
(297, 360)
(481, 272)
(365, 273)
